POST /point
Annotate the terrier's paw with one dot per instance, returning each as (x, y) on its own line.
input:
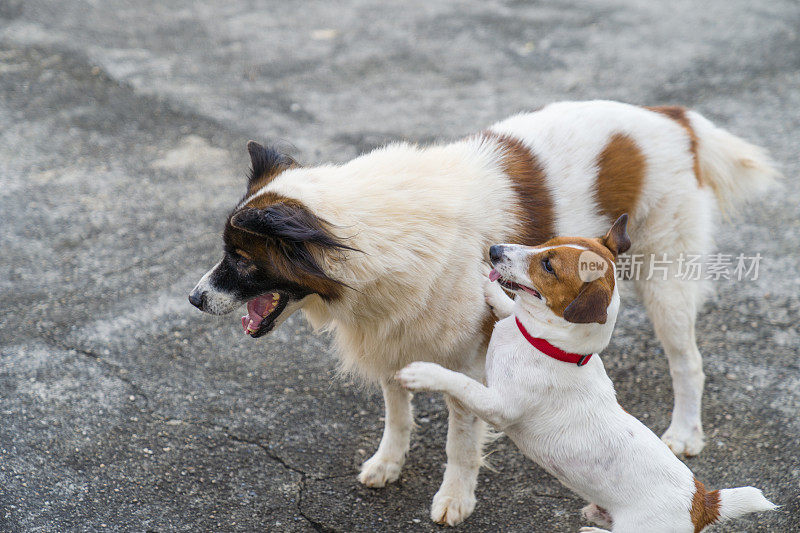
(421, 376)
(597, 515)
(493, 293)
(497, 299)
(451, 507)
(378, 470)
(593, 530)
(684, 440)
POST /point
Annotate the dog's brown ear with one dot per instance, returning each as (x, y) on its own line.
(288, 222)
(265, 163)
(617, 239)
(590, 305)
(296, 230)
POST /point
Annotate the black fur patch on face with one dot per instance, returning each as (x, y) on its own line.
(246, 279)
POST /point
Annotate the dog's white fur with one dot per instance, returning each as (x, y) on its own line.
(424, 218)
(567, 419)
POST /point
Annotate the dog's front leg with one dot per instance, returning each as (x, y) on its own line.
(468, 393)
(455, 500)
(384, 467)
(502, 306)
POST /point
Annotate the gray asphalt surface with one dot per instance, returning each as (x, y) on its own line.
(122, 131)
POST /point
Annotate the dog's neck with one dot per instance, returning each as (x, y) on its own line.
(582, 339)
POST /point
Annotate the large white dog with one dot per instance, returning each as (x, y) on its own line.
(388, 250)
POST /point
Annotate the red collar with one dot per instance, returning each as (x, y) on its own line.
(548, 349)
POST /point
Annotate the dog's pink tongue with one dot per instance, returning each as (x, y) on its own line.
(256, 309)
(494, 275)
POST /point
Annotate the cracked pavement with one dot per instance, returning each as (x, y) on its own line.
(122, 132)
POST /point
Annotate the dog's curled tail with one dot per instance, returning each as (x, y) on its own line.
(719, 505)
(734, 169)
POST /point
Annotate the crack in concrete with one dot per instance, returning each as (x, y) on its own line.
(302, 484)
(305, 477)
(116, 370)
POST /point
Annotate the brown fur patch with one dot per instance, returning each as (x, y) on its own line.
(534, 209)
(705, 507)
(264, 179)
(267, 199)
(678, 114)
(244, 254)
(565, 286)
(620, 176)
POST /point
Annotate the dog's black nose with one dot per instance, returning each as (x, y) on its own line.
(198, 299)
(496, 253)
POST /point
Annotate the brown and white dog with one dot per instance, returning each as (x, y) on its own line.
(388, 251)
(547, 389)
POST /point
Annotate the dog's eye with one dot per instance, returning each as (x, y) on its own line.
(546, 265)
(240, 260)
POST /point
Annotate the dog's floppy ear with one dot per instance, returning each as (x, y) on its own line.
(285, 221)
(288, 222)
(590, 305)
(293, 228)
(617, 239)
(256, 221)
(265, 163)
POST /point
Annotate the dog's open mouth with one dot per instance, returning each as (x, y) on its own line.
(262, 312)
(494, 275)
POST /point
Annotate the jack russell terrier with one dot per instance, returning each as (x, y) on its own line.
(546, 388)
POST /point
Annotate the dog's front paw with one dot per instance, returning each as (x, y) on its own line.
(686, 440)
(378, 470)
(422, 376)
(497, 299)
(493, 293)
(452, 506)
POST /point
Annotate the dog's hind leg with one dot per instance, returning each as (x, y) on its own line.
(679, 228)
(455, 500)
(384, 467)
(672, 305)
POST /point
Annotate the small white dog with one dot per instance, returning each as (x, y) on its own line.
(548, 391)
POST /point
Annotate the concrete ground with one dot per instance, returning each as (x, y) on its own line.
(122, 131)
